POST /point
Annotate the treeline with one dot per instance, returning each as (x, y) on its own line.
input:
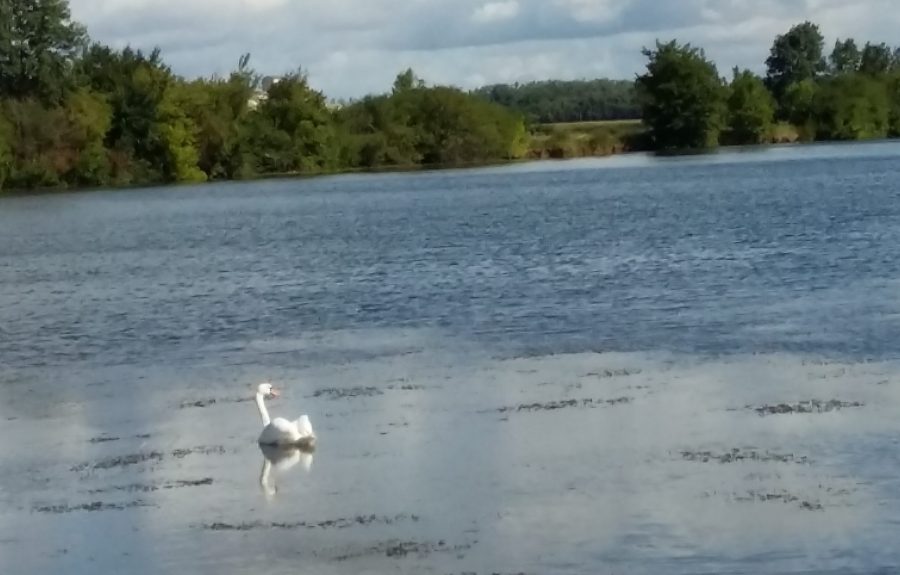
(853, 93)
(555, 101)
(77, 113)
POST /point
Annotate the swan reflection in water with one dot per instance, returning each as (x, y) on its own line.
(282, 459)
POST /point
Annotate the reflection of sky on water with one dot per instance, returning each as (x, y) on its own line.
(561, 489)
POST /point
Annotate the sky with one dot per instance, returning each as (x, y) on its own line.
(350, 48)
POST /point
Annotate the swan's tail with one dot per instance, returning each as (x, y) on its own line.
(304, 427)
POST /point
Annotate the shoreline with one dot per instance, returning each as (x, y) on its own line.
(419, 168)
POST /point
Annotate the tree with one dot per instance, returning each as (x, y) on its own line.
(682, 97)
(292, 130)
(845, 57)
(407, 80)
(89, 116)
(853, 107)
(38, 44)
(795, 57)
(176, 134)
(6, 159)
(553, 101)
(893, 90)
(135, 85)
(750, 109)
(876, 59)
(798, 107)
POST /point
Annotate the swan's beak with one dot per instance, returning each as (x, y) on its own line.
(274, 393)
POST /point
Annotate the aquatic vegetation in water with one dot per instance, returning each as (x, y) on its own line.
(811, 406)
(397, 549)
(94, 506)
(147, 487)
(737, 455)
(342, 392)
(341, 523)
(565, 403)
(120, 461)
(144, 457)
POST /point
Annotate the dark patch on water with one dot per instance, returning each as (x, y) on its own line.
(103, 439)
(737, 455)
(780, 496)
(202, 450)
(811, 406)
(146, 488)
(343, 392)
(121, 461)
(201, 403)
(588, 403)
(610, 373)
(94, 506)
(407, 387)
(147, 456)
(398, 549)
(342, 523)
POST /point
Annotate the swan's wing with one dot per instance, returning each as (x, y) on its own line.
(304, 427)
(279, 431)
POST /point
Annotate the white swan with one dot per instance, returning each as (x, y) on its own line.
(280, 431)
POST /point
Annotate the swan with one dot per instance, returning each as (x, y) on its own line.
(280, 431)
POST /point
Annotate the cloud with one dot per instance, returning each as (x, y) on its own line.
(494, 11)
(351, 47)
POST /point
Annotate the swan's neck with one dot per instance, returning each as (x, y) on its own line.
(263, 412)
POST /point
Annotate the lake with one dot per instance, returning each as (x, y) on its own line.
(629, 365)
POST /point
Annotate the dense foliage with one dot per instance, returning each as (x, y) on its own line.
(556, 101)
(76, 113)
(853, 95)
(751, 110)
(682, 97)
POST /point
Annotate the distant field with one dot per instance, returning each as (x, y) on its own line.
(577, 126)
(577, 139)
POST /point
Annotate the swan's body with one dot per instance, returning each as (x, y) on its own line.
(280, 431)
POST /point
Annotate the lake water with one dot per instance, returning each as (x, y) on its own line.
(628, 365)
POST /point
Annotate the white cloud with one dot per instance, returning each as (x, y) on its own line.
(351, 47)
(594, 11)
(494, 11)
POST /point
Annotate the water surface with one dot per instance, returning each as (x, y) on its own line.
(631, 365)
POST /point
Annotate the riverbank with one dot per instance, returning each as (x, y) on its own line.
(558, 141)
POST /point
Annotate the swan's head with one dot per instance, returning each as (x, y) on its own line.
(266, 390)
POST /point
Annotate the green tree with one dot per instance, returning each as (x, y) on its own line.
(37, 137)
(798, 107)
(292, 130)
(794, 57)
(6, 159)
(135, 85)
(893, 91)
(876, 59)
(852, 108)
(218, 108)
(750, 109)
(38, 43)
(553, 101)
(89, 117)
(682, 97)
(845, 57)
(176, 134)
(407, 80)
